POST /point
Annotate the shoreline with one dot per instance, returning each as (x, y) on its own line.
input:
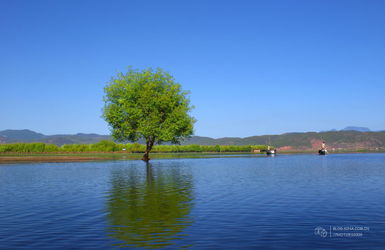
(10, 158)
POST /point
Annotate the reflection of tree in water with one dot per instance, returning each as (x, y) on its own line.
(149, 211)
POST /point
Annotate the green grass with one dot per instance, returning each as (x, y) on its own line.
(110, 146)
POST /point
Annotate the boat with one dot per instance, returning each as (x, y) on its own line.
(323, 150)
(271, 151)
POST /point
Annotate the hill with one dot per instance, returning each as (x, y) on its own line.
(25, 135)
(352, 140)
(353, 128)
(339, 140)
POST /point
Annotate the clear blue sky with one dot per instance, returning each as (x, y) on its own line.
(253, 67)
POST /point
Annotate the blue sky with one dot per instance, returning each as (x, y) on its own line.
(253, 67)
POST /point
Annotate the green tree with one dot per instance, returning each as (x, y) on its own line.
(147, 104)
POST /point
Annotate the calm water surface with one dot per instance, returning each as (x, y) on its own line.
(250, 202)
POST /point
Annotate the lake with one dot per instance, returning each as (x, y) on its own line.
(287, 201)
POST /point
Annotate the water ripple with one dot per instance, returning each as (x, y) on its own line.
(250, 202)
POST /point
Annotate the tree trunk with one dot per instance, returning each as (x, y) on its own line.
(149, 144)
(146, 157)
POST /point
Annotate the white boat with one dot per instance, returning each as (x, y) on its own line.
(271, 151)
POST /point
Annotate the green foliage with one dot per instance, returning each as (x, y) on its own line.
(105, 146)
(206, 148)
(75, 148)
(147, 104)
(110, 146)
(135, 148)
(102, 146)
(36, 147)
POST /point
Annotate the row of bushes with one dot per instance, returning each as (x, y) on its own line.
(110, 146)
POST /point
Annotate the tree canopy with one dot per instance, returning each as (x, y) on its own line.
(147, 104)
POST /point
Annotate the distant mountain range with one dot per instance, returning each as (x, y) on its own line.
(348, 138)
(26, 135)
(351, 128)
(360, 129)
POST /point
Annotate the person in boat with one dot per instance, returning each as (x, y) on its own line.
(323, 146)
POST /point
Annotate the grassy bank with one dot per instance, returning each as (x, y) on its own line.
(110, 146)
(79, 157)
(108, 150)
(121, 155)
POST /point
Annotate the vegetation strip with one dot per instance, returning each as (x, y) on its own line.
(110, 146)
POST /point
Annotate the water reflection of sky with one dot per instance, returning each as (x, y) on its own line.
(248, 202)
